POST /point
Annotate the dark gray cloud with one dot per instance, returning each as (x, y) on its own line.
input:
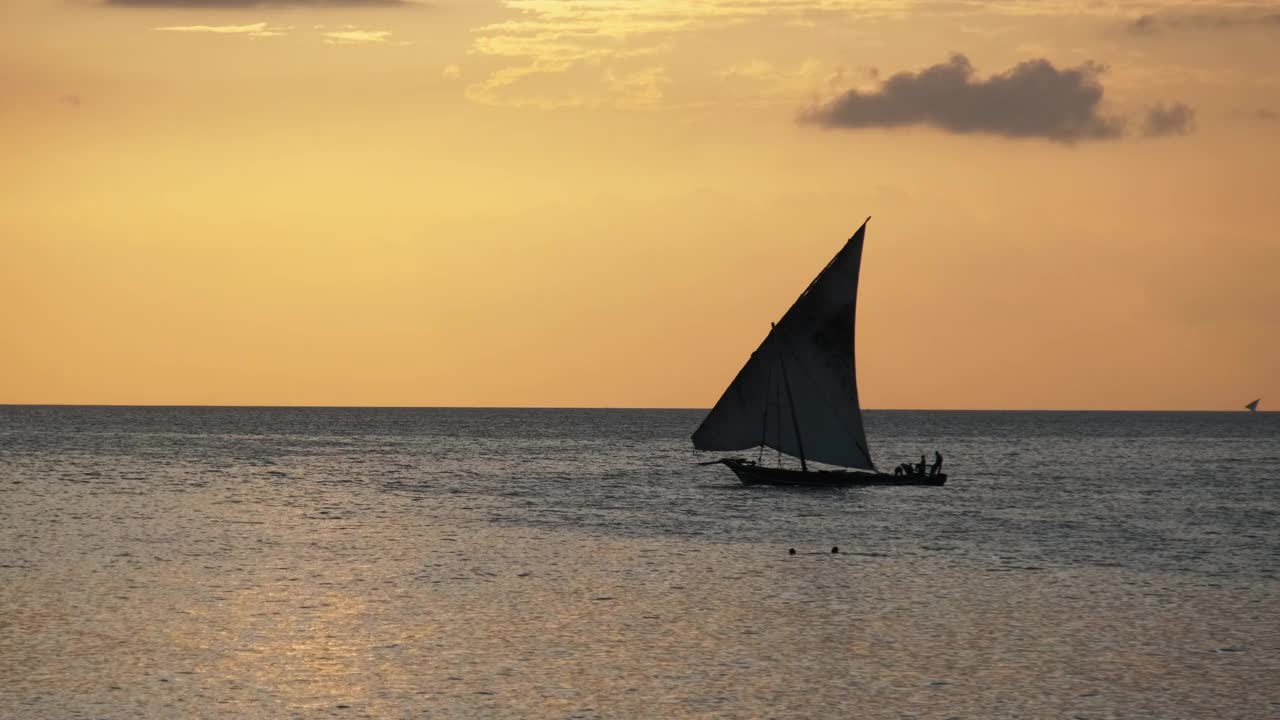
(1151, 24)
(207, 4)
(1171, 119)
(1032, 100)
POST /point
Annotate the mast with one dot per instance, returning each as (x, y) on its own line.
(791, 401)
(764, 417)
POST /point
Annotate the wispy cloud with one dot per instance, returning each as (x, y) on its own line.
(1033, 99)
(356, 37)
(243, 4)
(1171, 119)
(348, 35)
(642, 88)
(1151, 24)
(255, 30)
(620, 38)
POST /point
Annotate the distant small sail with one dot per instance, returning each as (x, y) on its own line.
(1253, 406)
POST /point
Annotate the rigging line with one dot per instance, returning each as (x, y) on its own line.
(795, 419)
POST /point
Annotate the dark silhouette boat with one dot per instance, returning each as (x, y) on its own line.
(751, 473)
(1253, 406)
(798, 394)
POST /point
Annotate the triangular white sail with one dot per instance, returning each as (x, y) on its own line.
(1253, 406)
(802, 377)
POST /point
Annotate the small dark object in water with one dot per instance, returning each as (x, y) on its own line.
(792, 551)
(835, 550)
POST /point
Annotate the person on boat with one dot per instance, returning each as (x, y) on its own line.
(937, 463)
(920, 468)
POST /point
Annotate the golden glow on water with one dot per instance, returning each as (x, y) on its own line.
(266, 563)
(304, 615)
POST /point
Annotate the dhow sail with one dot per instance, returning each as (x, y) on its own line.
(1253, 406)
(798, 392)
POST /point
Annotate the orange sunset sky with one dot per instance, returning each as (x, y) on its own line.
(605, 202)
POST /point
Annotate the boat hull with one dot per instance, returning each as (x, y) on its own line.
(752, 474)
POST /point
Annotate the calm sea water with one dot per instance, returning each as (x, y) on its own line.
(407, 563)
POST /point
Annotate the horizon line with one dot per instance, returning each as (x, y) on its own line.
(572, 407)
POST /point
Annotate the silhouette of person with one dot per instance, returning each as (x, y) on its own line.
(937, 463)
(922, 465)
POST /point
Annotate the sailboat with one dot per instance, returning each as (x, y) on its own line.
(1253, 406)
(798, 394)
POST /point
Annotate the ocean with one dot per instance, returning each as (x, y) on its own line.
(512, 563)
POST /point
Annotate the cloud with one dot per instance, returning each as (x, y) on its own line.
(1267, 115)
(1171, 119)
(356, 37)
(241, 4)
(1151, 24)
(451, 71)
(349, 35)
(255, 30)
(1032, 100)
(601, 51)
(536, 52)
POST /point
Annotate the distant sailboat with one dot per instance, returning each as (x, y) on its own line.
(798, 393)
(1253, 406)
